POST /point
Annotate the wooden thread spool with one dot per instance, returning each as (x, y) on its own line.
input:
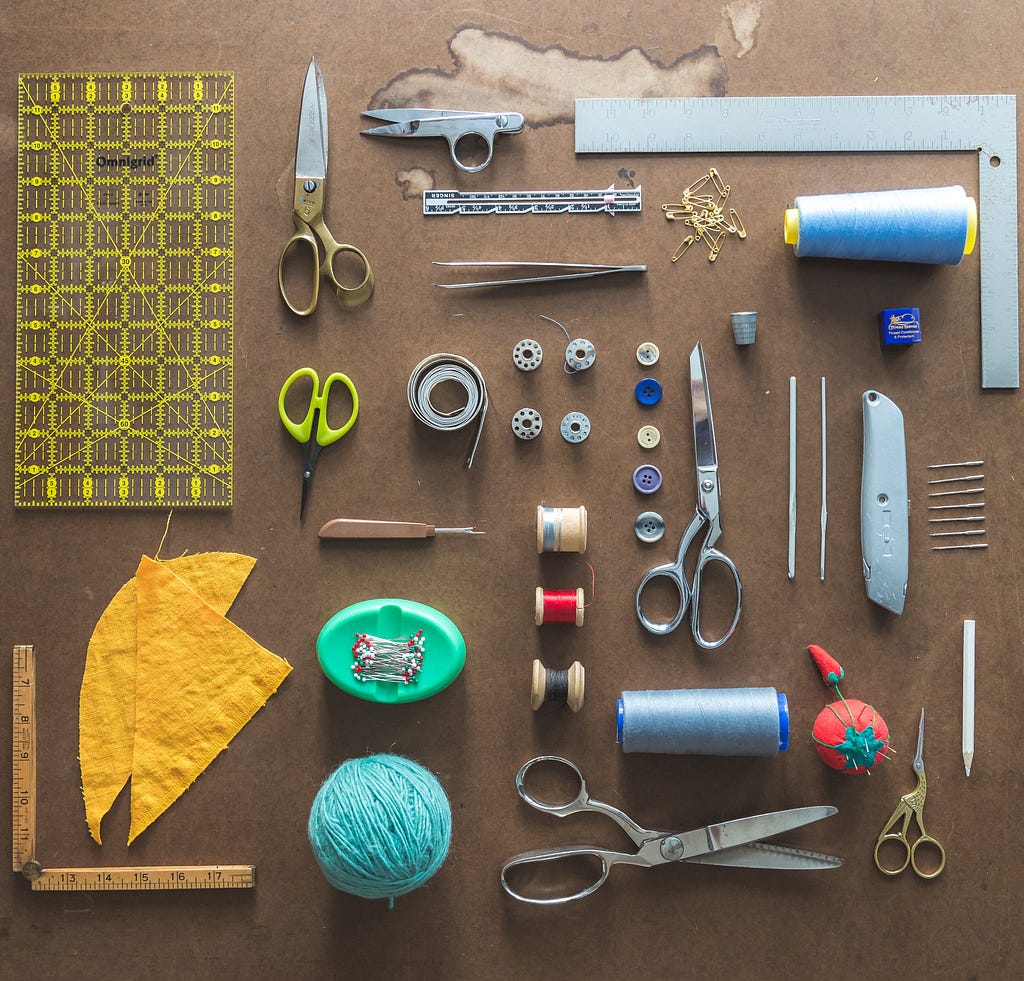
(558, 606)
(561, 529)
(563, 687)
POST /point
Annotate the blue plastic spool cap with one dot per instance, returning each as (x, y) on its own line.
(648, 391)
(620, 716)
(647, 478)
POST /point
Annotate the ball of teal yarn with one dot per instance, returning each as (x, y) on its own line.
(380, 826)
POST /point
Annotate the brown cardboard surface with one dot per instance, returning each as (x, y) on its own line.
(815, 318)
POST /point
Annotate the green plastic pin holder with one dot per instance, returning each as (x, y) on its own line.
(444, 653)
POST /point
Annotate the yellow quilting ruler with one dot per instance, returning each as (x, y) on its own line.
(135, 878)
(125, 279)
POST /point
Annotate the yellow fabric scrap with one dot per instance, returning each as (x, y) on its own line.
(168, 683)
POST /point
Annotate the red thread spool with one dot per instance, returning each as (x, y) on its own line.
(558, 606)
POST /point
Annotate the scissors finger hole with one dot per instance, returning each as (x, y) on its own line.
(554, 880)
(892, 856)
(298, 397)
(550, 783)
(719, 598)
(928, 858)
(471, 150)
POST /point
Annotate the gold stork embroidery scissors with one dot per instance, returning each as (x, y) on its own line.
(911, 806)
(314, 432)
(707, 521)
(733, 843)
(457, 126)
(311, 233)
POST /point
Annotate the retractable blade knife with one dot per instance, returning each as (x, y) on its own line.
(884, 503)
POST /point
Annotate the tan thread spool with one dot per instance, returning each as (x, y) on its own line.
(561, 529)
(541, 609)
(561, 687)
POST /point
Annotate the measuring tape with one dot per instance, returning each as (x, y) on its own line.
(612, 200)
(125, 283)
(982, 124)
(132, 878)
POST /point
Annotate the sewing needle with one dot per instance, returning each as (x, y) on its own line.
(792, 477)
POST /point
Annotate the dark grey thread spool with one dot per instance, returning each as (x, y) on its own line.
(560, 687)
(704, 722)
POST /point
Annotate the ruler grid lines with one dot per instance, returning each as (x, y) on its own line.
(124, 386)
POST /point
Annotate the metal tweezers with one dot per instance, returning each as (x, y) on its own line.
(581, 270)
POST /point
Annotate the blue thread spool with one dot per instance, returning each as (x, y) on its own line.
(930, 225)
(704, 722)
(380, 826)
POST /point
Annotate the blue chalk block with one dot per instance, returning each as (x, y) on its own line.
(901, 325)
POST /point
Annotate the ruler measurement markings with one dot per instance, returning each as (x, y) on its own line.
(984, 124)
(25, 806)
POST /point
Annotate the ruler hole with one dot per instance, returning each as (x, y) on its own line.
(994, 161)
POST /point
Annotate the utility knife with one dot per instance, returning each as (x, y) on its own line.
(884, 504)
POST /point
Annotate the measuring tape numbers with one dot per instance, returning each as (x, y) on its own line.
(981, 124)
(125, 289)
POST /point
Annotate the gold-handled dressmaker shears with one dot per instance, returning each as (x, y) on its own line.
(311, 233)
(910, 806)
(707, 521)
(734, 843)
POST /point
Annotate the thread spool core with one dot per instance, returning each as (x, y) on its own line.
(561, 529)
(541, 689)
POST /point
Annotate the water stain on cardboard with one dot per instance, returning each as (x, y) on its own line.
(498, 71)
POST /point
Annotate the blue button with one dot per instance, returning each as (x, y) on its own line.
(647, 479)
(648, 391)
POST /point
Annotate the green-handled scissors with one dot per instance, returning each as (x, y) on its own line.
(911, 805)
(314, 432)
(311, 233)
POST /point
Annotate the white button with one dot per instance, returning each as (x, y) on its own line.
(648, 437)
(648, 353)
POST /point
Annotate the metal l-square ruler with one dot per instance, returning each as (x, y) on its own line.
(138, 878)
(981, 124)
(125, 279)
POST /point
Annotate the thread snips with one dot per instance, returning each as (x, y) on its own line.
(462, 129)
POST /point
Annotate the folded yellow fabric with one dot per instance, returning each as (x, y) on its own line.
(133, 660)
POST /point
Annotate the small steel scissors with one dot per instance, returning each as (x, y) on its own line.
(707, 521)
(314, 432)
(911, 805)
(732, 843)
(308, 206)
(454, 125)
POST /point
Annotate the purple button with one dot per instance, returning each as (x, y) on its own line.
(647, 479)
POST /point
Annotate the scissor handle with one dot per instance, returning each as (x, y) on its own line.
(455, 140)
(707, 556)
(350, 296)
(887, 840)
(579, 804)
(303, 431)
(566, 854)
(302, 240)
(673, 572)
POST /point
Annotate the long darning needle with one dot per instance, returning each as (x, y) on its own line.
(958, 480)
(946, 466)
(792, 477)
(824, 460)
(954, 493)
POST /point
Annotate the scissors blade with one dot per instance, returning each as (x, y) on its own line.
(743, 831)
(311, 147)
(704, 444)
(919, 755)
(760, 855)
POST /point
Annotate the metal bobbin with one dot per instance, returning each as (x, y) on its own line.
(527, 423)
(557, 687)
(579, 355)
(575, 427)
(527, 355)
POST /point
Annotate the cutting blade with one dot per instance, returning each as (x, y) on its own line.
(311, 148)
(767, 856)
(703, 423)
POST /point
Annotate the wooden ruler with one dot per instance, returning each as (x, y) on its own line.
(135, 878)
